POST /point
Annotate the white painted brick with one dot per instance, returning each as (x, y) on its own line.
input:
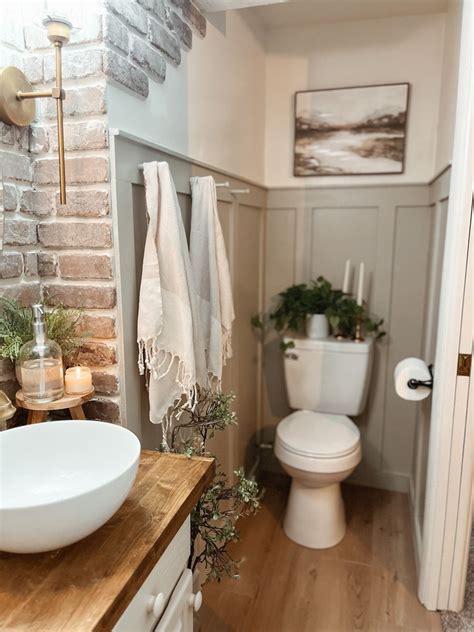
(162, 39)
(84, 204)
(15, 166)
(115, 32)
(20, 232)
(121, 70)
(78, 101)
(76, 64)
(81, 170)
(83, 135)
(131, 12)
(148, 58)
(63, 234)
(34, 69)
(39, 142)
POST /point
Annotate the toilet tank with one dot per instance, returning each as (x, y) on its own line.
(328, 375)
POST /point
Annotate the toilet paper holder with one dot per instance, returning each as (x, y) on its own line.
(414, 384)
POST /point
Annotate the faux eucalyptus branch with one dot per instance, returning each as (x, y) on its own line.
(213, 520)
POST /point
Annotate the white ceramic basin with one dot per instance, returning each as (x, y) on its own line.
(62, 480)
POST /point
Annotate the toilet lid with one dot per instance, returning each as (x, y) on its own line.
(320, 435)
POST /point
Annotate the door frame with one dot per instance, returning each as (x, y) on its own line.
(447, 520)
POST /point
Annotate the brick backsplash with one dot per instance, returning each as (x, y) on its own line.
(64, 254)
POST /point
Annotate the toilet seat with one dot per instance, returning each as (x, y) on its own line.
(318, 442)
(320, 435)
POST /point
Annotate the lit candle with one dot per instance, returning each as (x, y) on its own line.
(347, 273)
(78, 380)
(360, 287)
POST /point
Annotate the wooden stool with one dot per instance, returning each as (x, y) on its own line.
(39, 412)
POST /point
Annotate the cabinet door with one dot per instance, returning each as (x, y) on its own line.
(178, 616)
(149, 603)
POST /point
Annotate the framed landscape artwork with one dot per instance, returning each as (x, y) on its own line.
(351, 131)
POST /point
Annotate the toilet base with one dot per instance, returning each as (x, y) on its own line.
(315, 516)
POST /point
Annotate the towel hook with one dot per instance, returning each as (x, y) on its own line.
(235, 191)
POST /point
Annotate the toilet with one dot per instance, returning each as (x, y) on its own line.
(319, 445)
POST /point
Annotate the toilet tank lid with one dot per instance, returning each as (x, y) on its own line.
(319, 435)
(329, 345)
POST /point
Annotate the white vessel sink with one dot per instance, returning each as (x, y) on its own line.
(62, 480)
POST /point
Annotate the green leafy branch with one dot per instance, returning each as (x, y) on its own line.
(16, 328)
(213, 520)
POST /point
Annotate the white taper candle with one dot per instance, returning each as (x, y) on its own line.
(347, 273)
(360, 287)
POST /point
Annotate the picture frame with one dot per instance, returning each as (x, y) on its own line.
(352, 131)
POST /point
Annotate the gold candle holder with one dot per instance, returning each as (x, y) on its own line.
(358, 332)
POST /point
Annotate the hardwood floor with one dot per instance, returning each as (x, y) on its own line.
(367, 582)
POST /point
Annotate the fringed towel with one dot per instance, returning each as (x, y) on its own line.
(211, 275)
(171, 346)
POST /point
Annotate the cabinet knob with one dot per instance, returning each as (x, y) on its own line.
(156, 605)
(196, 601)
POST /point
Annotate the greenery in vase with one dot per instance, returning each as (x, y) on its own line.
(299, 301)
(213, 520)
(318, 297)
(16, 328)
(344, 315)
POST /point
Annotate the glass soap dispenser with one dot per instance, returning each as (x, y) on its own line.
(41, 364)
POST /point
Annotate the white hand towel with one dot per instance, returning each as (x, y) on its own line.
(212, 277)
(171, 346)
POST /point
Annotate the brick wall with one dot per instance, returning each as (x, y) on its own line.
(64, 254)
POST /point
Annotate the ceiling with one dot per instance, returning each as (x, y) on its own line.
(211, 6)
(280, 13)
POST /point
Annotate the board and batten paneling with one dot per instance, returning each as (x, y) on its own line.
(242, 220)
(311, 232)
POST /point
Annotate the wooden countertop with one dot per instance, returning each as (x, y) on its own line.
(88, 585)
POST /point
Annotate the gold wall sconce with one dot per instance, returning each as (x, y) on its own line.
(17, 106)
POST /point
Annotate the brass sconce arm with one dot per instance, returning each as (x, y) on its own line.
(16, 94)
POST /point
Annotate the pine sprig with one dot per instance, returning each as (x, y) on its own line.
(16, 328)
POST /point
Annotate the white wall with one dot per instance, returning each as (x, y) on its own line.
(449, 78)
(210, 108)
(405, 49)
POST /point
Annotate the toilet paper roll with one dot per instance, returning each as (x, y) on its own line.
(411, 369)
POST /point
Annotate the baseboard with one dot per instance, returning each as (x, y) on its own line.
(254, 469)
(391, 481)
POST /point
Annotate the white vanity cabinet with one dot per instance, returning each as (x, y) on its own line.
(130, 575)
(165, 602)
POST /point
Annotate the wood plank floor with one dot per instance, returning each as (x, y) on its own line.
(367, 582)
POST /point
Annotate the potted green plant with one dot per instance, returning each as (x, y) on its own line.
(300, 305)
(304, 306)
(16, 328)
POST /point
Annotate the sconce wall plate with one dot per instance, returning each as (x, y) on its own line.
(17, 96)
(14, 111)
